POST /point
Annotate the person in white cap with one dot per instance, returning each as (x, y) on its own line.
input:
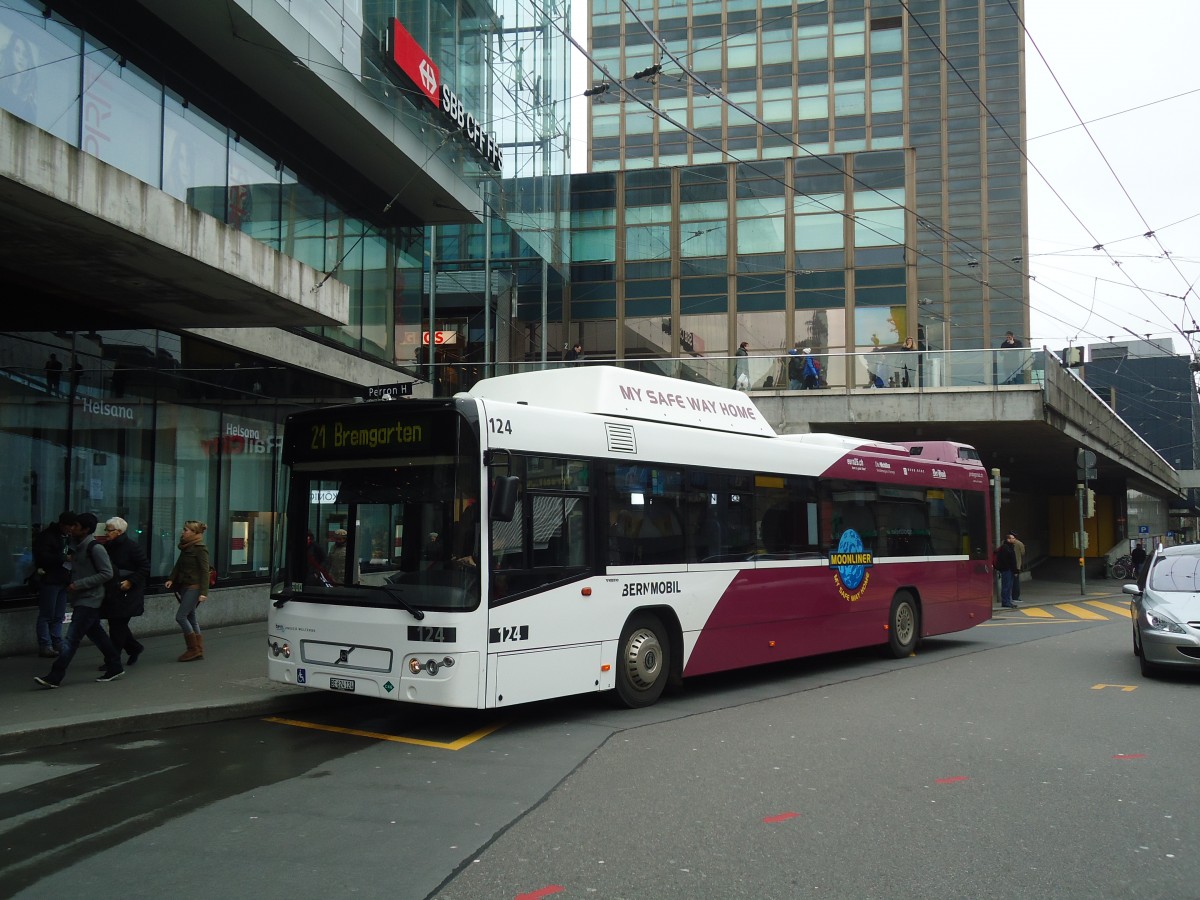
(337, 560)
(795, 368)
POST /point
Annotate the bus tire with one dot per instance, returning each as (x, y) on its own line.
(904, 626)
(643, 661)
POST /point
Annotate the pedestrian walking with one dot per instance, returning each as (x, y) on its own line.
(189, 580)
(125, 596)
(811, 371)
(1138, 558)
(90, 569)
(741, 367)
(52, 573)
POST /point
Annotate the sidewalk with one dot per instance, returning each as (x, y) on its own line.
(229, 683)
(1046, 593)
(159, 692)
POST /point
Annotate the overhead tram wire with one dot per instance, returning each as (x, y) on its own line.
(1099, 246)
(1150, 232)
(947, 235)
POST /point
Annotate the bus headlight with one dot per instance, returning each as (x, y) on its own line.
(280, 648)
(430, 665)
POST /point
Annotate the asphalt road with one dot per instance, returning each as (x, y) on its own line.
(1009, 761)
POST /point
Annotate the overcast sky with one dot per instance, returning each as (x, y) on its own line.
(1118, 63)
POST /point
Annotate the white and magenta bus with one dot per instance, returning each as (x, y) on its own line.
(599, 529)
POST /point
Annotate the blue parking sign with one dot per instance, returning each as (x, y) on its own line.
(1143, 529)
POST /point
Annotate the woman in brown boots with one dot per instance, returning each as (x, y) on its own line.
(190, 581)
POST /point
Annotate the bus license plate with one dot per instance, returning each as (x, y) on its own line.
(341, 684)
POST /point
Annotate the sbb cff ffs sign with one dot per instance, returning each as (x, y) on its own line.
(410, 58)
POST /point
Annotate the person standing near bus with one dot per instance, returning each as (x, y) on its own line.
(190, 580)
(1019, 553)
(1005, 562)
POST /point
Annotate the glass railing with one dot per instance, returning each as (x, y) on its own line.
(839, 372)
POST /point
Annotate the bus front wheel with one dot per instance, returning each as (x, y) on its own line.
(643, 661)
(904, 626)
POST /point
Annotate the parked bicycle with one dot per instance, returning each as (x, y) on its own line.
(1123, 568)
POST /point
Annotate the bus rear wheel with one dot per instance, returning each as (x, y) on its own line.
(904, 626)
(643, 661)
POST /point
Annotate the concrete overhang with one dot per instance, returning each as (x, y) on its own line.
(85, 243)
(262, 45)
(1031, 431)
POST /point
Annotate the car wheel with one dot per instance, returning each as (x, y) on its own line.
(1149, 669)
(904, 626)
(643, 661)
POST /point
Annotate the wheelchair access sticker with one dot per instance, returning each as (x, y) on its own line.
(301, 676)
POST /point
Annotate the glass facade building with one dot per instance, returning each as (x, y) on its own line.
(848, 172)
(128, 402)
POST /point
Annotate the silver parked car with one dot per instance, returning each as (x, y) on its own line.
(1166, 610)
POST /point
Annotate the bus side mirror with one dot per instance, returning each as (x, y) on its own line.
(505, 490)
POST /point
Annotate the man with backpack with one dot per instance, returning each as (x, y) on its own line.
(91, 570)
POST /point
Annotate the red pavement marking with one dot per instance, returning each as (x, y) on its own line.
(541, 892)
(782, 817)
(954, 780)
(1130, 756)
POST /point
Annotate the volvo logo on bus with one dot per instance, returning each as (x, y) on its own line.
(850, 563)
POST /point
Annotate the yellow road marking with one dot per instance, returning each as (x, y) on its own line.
(1125, 688)
(1080, 611)
(420, 742)
(1036, 612)
(1111, 607)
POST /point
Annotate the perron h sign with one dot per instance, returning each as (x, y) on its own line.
(411, 59)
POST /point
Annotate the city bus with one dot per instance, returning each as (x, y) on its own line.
(593, 528)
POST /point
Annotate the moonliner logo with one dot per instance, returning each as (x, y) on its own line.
(850, 563)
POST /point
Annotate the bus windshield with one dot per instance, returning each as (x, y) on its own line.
(402, 534)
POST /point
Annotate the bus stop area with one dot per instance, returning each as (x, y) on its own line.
(231, 682)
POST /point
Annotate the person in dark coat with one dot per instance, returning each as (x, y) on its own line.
(125, 595)
(90, 570)
(1006, 564)
(49, 559)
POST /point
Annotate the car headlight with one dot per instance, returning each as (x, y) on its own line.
(1158, 622)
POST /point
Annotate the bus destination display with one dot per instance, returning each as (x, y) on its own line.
(337, 434)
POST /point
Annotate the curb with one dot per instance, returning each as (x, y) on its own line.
(72, 730)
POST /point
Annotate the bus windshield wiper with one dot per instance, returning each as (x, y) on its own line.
(396, 595)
